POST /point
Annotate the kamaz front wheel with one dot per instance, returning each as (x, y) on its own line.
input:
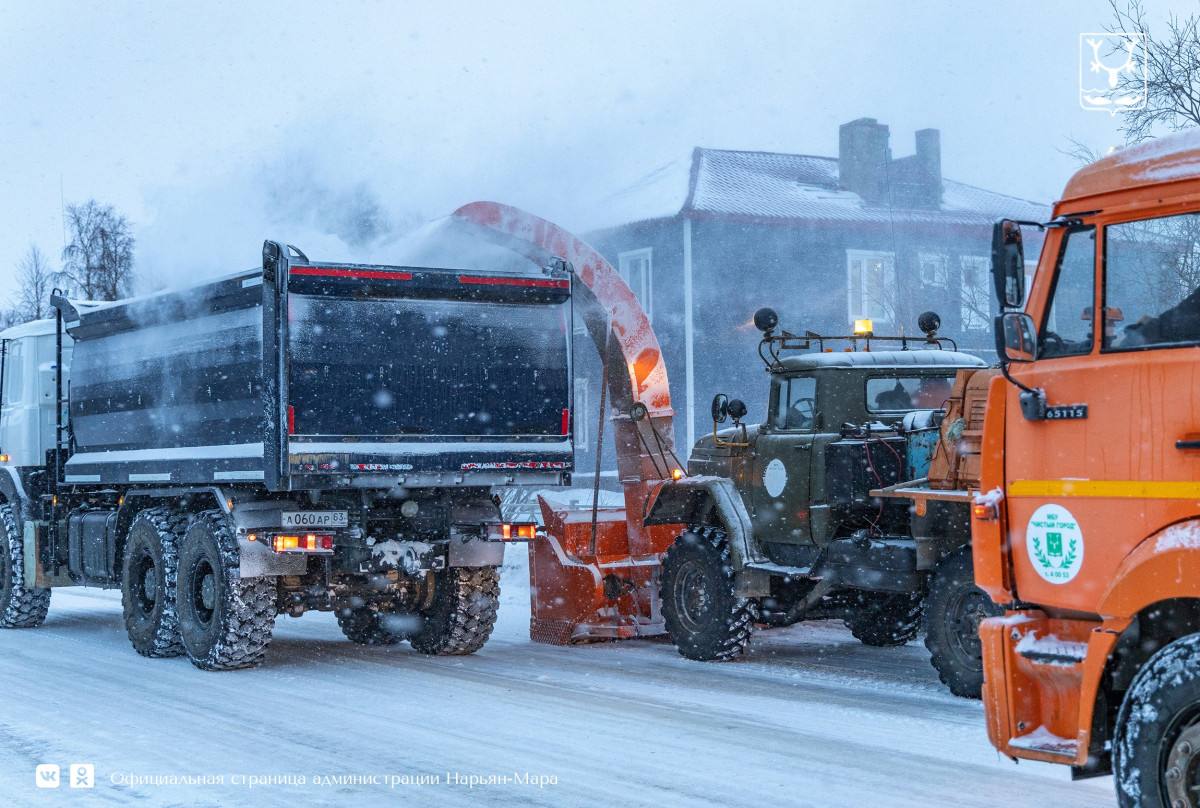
(1156, 751)
(705, 617)
(21, 606)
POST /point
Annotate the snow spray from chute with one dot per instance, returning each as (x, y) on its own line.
(595, 574)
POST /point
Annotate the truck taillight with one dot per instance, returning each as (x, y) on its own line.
(302, 543)
(513, 531)
(985, 511)
(566, 423)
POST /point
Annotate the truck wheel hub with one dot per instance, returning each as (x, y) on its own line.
(1182, 774)
(970, 610)
(692, 597)
(204, 591)
(147, 584)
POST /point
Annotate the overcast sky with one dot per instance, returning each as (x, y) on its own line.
(214, 125)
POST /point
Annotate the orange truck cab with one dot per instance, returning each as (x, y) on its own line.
(1090, 535)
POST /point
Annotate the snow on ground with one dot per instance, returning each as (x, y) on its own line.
(809, 718)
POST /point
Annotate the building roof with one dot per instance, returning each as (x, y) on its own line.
(771, 185)
(33, 328)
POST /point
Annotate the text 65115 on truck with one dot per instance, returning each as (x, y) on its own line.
(301, 436)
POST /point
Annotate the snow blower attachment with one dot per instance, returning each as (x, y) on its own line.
(595, 573)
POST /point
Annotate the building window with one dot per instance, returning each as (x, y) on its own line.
(637, 268)
(871, 281)
(976, 300)
(934, 270)
(582, 414)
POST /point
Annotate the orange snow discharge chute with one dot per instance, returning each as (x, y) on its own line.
(595, 573)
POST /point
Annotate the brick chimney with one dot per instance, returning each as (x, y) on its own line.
(929, 167)
(863, 158)
(866, 166)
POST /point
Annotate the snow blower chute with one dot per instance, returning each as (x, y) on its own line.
(595, 573)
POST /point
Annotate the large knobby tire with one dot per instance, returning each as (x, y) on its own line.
(706, 619)
(149, 573)
(1156, 751)
(21, 606)
(462, 614)
(366, 626)
(954, 608)
(225, 620)
(885, 619)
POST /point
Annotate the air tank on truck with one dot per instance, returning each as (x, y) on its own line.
(302, 436)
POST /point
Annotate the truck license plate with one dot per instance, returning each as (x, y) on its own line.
(315, 519)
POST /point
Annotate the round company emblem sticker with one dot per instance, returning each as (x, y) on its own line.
(1054, 543)
(775, 477)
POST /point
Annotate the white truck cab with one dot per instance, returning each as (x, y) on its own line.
(27, 391)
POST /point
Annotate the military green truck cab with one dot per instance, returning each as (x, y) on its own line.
(782, 522)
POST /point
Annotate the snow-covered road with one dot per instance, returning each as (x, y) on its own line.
(809, 718)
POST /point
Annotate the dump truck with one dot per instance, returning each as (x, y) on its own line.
(1088, 530)
(301, 436)
(827, 509)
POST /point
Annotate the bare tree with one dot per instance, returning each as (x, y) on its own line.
(1080, 151)
(34, 280)
(1170, 66)
(98, 260)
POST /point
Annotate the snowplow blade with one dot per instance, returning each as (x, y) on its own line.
(578, 594)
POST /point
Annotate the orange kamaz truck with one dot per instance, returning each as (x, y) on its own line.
(1087, 529)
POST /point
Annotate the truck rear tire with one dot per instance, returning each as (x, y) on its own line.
(706, 619)
(954, 609)
(463, 612)
(885, 619)
(20, 606)
(366, 626)
(1156, 749)
(149, 575)
(225, 620)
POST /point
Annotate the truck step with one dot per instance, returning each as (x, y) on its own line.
(1042, 740)
(780, 569)
(1050, 650)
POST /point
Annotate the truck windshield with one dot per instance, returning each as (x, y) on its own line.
(426, 367)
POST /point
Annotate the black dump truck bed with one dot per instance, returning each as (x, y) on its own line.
(312, 375)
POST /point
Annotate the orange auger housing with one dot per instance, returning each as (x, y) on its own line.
(595, 578)
(1117, 575)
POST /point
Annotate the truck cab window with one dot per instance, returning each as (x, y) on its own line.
(1152, 283)
(1067, 330)
(14, 369)
(899, 393)
(797, 404)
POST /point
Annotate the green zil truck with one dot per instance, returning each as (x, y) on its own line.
(826, 509)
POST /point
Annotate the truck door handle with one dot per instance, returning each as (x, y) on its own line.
(1187, 444)
(804, 447)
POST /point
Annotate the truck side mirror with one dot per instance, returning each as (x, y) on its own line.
(1016, 337)
(737, 409)
(720, 408)
(1008, 263)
